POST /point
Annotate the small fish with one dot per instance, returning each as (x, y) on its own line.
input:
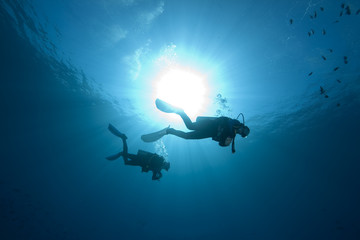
(336, 21)
(291, 21)
(311, 16)
(337, 68)
(321, 9)
(338, 80)
(338, 105)
(342, 5)
(315, 14)
(341, 13)
(309, 33)
(330, 50)
(323, 58)
(326, 96)
(322, 91)
(345, 60)
(312, 31)
(348, 11)
(357, 12)
(310, 74)
(323, 32)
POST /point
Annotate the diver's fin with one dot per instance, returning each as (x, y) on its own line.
(116, 132)
(114, 157)
(201, 118)
(166, 107)
(152, 137)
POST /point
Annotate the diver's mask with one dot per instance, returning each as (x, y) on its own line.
(245, 131)
(241, 128)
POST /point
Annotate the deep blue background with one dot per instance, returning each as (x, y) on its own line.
(297, 177)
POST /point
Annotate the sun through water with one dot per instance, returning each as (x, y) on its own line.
(182, 88)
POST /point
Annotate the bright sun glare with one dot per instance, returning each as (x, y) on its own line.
(182, 88)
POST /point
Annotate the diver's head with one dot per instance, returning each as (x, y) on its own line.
(244, 131)
(166, 166)
(241, 129)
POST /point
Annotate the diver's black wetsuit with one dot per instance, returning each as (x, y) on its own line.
(219, 129)
(146, 160)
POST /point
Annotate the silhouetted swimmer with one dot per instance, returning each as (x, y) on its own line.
(146, 160)
(220, 129)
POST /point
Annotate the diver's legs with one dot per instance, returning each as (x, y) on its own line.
(134, 160)
(189, 135)
(125, 154)
(116, 132)
(123, 137)
(115, 156)
(188, 123)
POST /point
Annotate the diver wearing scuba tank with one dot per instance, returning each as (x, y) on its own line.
(220, 129)
(146, 160)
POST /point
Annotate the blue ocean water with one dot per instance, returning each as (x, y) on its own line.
(68, 69)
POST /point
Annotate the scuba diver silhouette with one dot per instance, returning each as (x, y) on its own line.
(146, 160)
(220, 129)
